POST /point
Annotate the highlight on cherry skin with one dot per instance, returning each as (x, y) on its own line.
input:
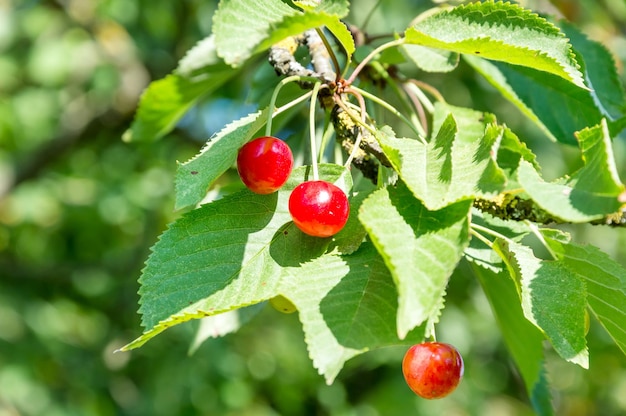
(264, 164)
(432, 369)
(319, 208)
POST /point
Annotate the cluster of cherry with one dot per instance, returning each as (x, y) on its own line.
(317, 207)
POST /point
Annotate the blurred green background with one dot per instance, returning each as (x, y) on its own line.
(79, 210)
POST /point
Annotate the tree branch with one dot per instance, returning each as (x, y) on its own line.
(519, 209)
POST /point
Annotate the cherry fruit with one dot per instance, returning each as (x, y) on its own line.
(319, 208)
(432, 369)
(264, 164)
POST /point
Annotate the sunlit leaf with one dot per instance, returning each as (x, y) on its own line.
(243, 28)
(458, 163)
(226, 254)
(347, 305)
(553, 298)
(592, 192)
(499, 31)
(195, 176)
(421, 248)
(605, 280)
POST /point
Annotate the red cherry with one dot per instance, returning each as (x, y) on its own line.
(319, 208)
(264, 164)
(432, 369)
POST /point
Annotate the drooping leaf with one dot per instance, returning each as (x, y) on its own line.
(347, 305)
(194, 177)
(592, 192)
(499, 31)
(600, 72)
(523, 339)
(243, 28)
(457, 164)
(555, 105)
(606, 284)
(553, 298)
(226, 254)
(421, 248)
(361, 309)
(165, 101)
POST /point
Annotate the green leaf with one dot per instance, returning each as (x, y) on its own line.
(499, 31)
(606, 284)
(240, 25)
(601, 74)
(342, 34)
(511, 151)
(361, 309)
(165, 101)
(301, 22)
(599, 173)
(457, 164)
(226, 254)
(523, 339)
(352, 235)
(592, 192)
(431, 59)
(556, 106)
(553, 298)
(347, 306)
(243, 28)
(331, 11)
(421, 248)
(194, 177)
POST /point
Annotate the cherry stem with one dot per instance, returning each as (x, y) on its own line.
(316, 89)
(535, 230)
(409, 104)
(331, 53)
(417, 105)
(417, 129)
(328, 132)
(432, 90)
(272, 106)
(491, 232)
(292, 103)
(482, 238)
(371, 56)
